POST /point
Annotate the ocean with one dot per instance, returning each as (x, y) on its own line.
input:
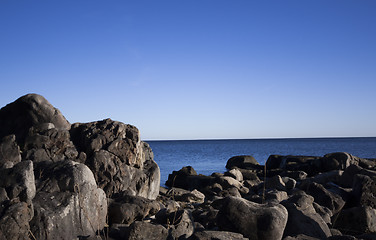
(208, 156)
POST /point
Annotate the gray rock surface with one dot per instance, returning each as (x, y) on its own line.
(254, 221)
(68, 198)
(127, 209)
(144, 230)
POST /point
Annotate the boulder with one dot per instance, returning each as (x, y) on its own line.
(9, 152)
(325, 198)
(348, 175)
(232, 191)
(200, 182)
(179, 223)
(67, 198)
(182, 225)
(364, 190)
(127, 209)
(367, 163)
(254, 221)
(276, 195)
(206, 216)
(19, 181)
(290, 183)
(356, 220)
(119, 160)
(303, 218)
(244, 162)
(248, 174)
(229, 182)
(27, 111)
(183, 195)
(326, 177)
(275, 182)
(144, 230)
(338, 161)
(324, 212)
(235, 173)
(122, 140)
(274, 161)
(179, 178)
(307, 164)
(217, 235)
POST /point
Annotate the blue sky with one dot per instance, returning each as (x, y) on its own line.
(199, 68)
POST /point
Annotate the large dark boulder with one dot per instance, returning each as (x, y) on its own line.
(303, 218)
(120, 161)
(27, 111)
(338, 161)
(122, 140)
(253, 220)
(325, 198)
(179, 178)
(364, 190)
(244, 162)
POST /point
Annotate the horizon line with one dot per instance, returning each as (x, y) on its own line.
(257, 138)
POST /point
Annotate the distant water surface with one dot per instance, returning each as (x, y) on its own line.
(208, 156)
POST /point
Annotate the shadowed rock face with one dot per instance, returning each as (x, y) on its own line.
(27, 111)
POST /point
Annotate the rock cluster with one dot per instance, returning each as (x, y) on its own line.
(290, 197)
(61, 181)
(98, 180)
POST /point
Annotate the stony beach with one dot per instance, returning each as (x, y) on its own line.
(98, 180)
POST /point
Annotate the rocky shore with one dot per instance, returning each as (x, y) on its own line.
(98, 180)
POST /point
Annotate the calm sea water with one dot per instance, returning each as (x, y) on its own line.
(208, 156)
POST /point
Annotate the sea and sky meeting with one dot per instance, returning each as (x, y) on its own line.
(198, 69)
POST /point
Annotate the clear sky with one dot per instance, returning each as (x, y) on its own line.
(193, 69)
